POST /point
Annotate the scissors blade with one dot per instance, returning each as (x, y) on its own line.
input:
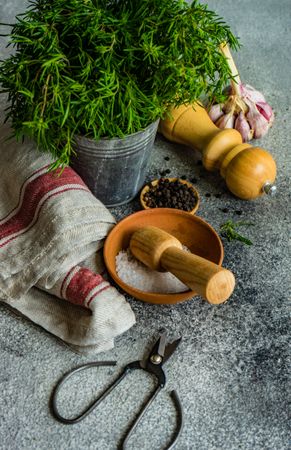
(170, 348)
(163, 349)
(159, 347)
(162, 344)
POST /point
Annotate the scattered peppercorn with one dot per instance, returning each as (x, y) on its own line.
(239, 212)
(166, 158)
(225, 210)
(193, 180)
(217, 195)
(183, 177)
(167, 171)
(207, 195)
(170, 194)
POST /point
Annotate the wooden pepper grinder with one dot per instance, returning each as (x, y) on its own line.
(161, 251)
(248, 171)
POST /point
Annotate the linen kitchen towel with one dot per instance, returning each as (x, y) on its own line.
(51, 228)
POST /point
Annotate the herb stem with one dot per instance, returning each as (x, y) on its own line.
(228, 230)
(45, 95)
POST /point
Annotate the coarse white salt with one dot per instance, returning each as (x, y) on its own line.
(139, 276)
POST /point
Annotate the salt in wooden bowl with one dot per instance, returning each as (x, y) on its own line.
(192, 231)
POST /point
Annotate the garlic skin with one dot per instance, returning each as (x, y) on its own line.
(246, 110)
(251, 93)
(226, 121)
(257, 121)
(243, 127)
(266, 111)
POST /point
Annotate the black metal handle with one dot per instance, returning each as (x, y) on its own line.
(180, 424)
(142, 412)
(87, 411)
(132, 366)
(140, 416)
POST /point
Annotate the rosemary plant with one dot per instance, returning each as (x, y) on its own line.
(108, 68)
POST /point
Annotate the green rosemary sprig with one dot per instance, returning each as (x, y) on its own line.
(228, 230)
(108, 68)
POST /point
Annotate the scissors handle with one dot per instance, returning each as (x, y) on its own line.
(180, 421)
(131, 366)
(93, 405)
(140, 416)
(128, 368)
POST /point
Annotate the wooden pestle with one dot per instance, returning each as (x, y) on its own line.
(161, 251)
(248, 171)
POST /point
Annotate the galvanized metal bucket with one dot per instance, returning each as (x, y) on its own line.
(115, 169)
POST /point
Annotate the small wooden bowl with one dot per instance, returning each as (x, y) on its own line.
(155, 182)
(193, 232)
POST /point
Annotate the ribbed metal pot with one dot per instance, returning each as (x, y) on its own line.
(115, 169)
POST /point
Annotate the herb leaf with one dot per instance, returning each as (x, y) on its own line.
(108, 68)
(228, 230)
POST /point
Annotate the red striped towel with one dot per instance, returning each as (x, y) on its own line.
(51, 227)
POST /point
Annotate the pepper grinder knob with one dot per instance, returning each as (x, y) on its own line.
(270, 189)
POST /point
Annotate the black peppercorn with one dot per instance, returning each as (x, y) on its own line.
(170, 194)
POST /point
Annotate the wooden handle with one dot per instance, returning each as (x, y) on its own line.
(212, 282)
(161, 251)
(246, 169)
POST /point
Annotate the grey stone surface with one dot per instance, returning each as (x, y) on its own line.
(231, 369)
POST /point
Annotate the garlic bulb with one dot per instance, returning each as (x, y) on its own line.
(246, 110)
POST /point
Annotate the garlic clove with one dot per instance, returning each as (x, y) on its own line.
(265, 109)
(226, 121)
(243, 127)
(216, 112)
(257, 121)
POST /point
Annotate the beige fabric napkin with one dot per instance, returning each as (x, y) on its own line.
(51, 227)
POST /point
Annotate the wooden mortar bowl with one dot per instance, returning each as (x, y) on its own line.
(155, 182)
(193, 232)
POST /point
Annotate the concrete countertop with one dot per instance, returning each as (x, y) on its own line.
(231, 367)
